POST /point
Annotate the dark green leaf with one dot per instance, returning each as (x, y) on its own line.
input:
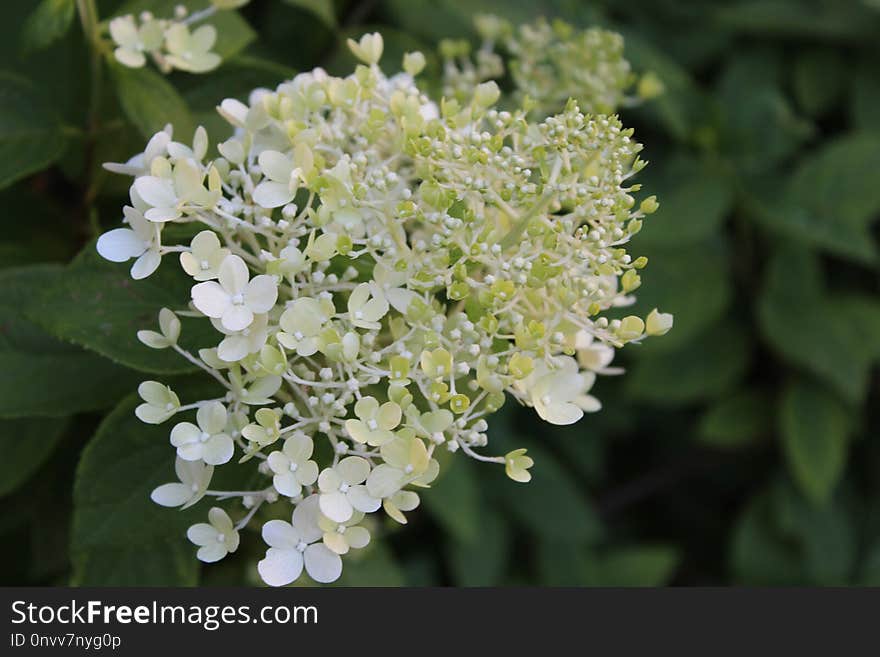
(120, 537)
(640, 565)
(552, 505)
(760, 553)
(692, 283)
(454, 501)
(40, 376)
(323, 9)
(830, 200)
(30, 135)
(481, 560)
(97, 305)
(694, 198)
(150, 101)
(566, 563)
(819, 78)
(815, 428)
(25, 445)
(737, 420)
(808, 329)
(709, 365)
(48, 23)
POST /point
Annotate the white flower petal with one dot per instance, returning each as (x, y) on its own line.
(280, 567)
(171, 495)
(156, 191)
(361, 499)
(269, 194)
(237, 318)
(261, 293)
(218, 450)
(280, 534)
(336, 506)
(210, 299)
(145, 265)
(322, 565)
(276, 166)
(120, 244)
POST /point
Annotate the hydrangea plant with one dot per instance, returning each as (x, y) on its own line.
(381, 272)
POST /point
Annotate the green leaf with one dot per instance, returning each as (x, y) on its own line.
(711, 364)
(566, 563)
(454, 501)
(30, 135)
(869, 574)
(552, 505)
(682, 109)
(822, 19)
(826, 535)
(48, 23)
(150, 101)
(120, 537)
(865, 100)
(831, 200)
(761, 555)
(819, 77)
(694, 198)
(25, 445)
(373, 566)
(639, 565)
(814, 427)
(40, 376)
(480, 560)
(323, 9)
(692, 283)
(737, 420)
(97, 305)
(758, 128)
(811, 330)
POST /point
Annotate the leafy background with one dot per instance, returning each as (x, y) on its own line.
(742, 448)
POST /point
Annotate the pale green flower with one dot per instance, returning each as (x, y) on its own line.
(517, 464)
(366, 306)
(191, 51)
(368, 49)
(342, 489)
(375, 422)
(406, 461)
(208, 441)
(342, 536)
(301, 324)
(133, 41)
(203, 260)
(293, 466)
(266, 431)
(215, 540)
(160, 402)
(658, 323)
(194, 476)
(169, 327)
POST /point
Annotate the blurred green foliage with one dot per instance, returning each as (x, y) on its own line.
(741, 449)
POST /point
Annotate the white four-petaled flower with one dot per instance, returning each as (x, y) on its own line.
(294, 545)
(235, 298)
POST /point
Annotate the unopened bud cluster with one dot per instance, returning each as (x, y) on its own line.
(381, 272)
(548, 64)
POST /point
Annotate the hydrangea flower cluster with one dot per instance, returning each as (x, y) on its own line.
(170, 42)
(548, 63)
(381, 272)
